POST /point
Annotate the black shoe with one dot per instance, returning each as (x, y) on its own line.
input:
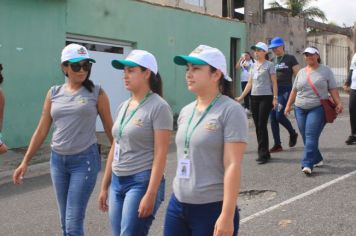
(262, 160)
(351, 140)
(276, 148)
(293, 140)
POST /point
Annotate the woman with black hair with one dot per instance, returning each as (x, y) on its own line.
(75, 161)
(211, 140)
(136, 161)
(245, 64)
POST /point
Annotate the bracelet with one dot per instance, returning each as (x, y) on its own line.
(275, 97)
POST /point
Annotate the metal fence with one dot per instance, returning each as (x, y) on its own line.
(336, 57)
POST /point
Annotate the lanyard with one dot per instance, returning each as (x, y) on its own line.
(188, 135)
(280, 60)
(124, 121)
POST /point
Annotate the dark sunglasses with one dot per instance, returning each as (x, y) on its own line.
(76, 67)
(308, 54)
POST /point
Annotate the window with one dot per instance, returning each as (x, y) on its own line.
(199, 3)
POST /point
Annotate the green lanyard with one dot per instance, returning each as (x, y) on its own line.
(124, 121)
(188, 135)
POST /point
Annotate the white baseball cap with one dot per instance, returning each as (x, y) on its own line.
(74, 53)
(137, 58)
(261, 46)
(311, 50)
(205, 55)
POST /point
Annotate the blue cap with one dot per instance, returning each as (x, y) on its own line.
(276, 42)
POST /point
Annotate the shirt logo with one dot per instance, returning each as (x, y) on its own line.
(138, 122)
(211, 126)
(82, 100)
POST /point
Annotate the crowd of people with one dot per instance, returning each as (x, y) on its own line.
(211, 137)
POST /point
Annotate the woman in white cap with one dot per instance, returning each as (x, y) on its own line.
(211, 140)
(75, 161)
(350, 87)
(136, 162)
(308, 110)
(264, 97)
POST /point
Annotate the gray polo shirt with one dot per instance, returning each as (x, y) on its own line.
(261, 78)
(323, 80)
(137, 140)
(74, 116)
(226, 122)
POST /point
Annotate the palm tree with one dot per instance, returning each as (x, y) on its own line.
(300, 8)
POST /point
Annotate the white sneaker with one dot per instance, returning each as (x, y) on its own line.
(307, 170)
(319, 164)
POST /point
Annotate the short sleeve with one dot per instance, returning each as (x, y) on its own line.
(163, 118)
(271, 69)
(296, 80)
(293, 61)
(331, 79)
(236, 125)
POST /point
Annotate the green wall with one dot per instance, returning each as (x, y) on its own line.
(163, 31)
(33, 33)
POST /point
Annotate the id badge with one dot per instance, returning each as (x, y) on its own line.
(117, 151)
(184, 168)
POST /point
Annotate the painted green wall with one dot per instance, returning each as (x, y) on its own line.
(32, 34)
(163, 31)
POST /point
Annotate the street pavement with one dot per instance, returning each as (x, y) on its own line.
(275, 198)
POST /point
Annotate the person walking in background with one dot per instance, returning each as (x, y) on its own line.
(211, 141)
(75, 161)
(308, 110)
(245, 64)
(287, 67)
(3, 147)
(350, 87)
(263, 86)
(137, 159)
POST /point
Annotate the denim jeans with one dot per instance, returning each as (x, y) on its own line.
(261, 106)
(183, 219)
(74, 178)
(310, 123)
(125, 196)
(277, 116)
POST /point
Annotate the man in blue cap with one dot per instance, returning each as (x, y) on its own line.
(286, 68)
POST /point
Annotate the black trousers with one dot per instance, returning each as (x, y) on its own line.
(261, 106)
(352, 109)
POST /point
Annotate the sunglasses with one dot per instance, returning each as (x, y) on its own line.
(308, 54)
(76, 67)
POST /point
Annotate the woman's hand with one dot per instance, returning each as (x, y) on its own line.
(103, 197)
(224, 226)
(346, 89)
(339, 108)
(287, 110)
(275, 103)
(146, 205)
(238, 99)
(19, 173)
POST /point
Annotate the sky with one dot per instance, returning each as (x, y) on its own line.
(337, 11)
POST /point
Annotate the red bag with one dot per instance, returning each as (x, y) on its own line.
(329, 109)
(328, 104)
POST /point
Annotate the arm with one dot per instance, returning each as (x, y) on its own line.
(275, 90)
(161, 144)
(105, 114)
(291, 100)
(37, 139)
(335, 95)
(348, 81)
(105, 183)
(233, 153)
(246, 90)
(295, 69)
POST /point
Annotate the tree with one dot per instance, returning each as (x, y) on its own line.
(300, 8)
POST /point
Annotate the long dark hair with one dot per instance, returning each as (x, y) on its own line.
(155, 82)
(1, 77)
(87, 83)
(225, 86)
(248, 53)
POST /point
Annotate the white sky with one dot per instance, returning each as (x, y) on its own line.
(337, 11)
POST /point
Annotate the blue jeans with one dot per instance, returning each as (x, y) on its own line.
(277, 116)
(125, 196)
(183, 219)
(310, 123)
(74, 178)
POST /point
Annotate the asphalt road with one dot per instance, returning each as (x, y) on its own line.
(318, 205)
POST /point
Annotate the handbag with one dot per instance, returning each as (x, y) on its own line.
(328, 104)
